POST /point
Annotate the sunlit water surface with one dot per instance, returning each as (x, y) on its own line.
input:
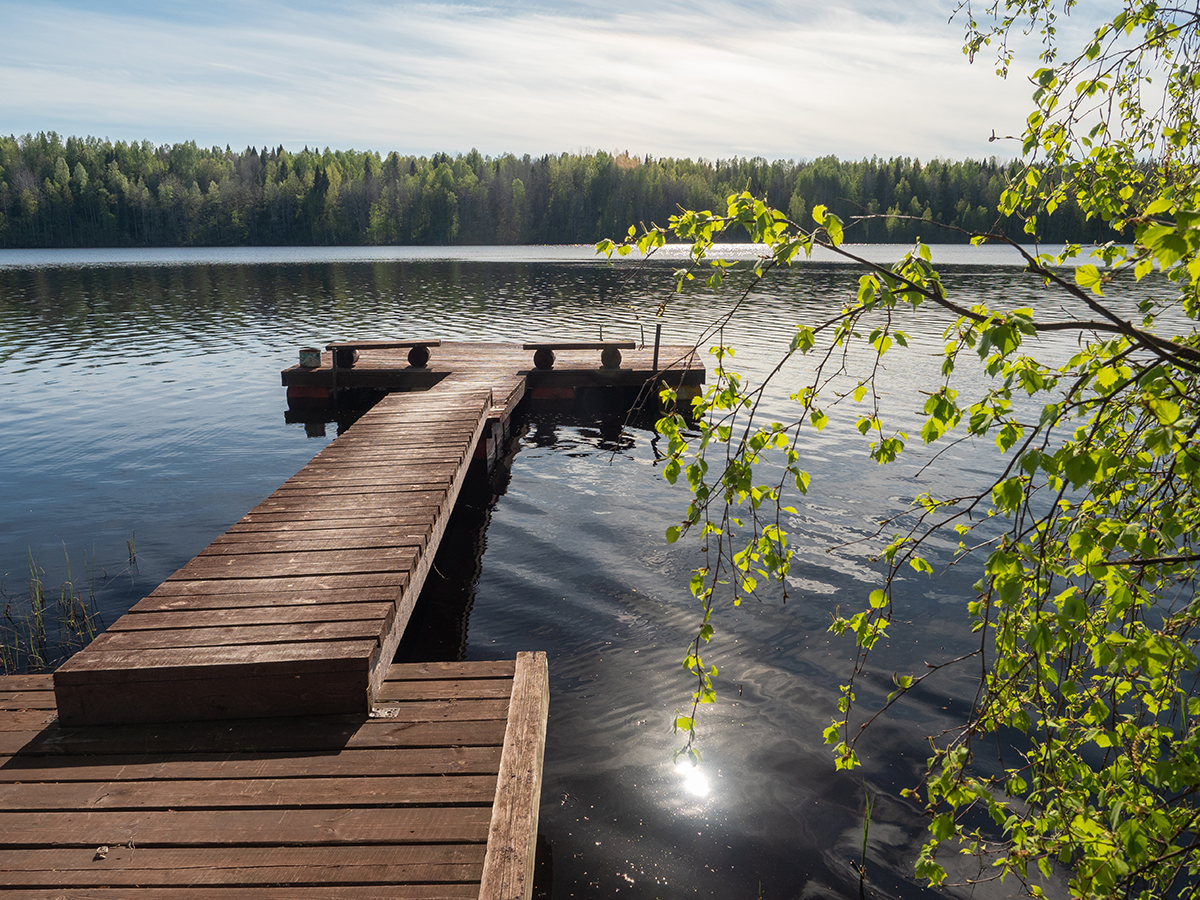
(140, 401)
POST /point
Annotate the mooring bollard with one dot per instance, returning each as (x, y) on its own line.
(610, 358)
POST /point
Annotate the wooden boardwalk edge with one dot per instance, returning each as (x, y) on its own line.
(512, 835)
(416, 578)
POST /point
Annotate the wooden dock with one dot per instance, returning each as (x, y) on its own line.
(431, 796)
(242, 731)
(574, 370)
(299, 607)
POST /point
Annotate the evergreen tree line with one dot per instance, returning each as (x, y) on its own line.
(84, 192)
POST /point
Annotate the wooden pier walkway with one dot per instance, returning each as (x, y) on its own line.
(299, 607)
(432, 796)
(242, 731)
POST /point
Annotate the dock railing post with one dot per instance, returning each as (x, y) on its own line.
(333, 376)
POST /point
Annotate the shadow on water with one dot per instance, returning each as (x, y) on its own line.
(438, 629)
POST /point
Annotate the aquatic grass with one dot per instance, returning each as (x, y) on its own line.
(40, 632)
(866, 834)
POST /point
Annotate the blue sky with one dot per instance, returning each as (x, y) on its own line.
(700, 79)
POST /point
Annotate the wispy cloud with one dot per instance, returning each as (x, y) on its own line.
(696, 79)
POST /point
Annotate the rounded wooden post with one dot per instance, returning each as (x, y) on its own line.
(418, 356)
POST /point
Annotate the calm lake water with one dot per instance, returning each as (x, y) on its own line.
(140, 401)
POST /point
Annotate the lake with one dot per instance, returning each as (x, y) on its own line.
(141, 405)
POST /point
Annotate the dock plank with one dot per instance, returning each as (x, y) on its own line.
(152, 766)
(384, 791)
(508, 866)
(248, 826)
(231, 635)
(267, 614)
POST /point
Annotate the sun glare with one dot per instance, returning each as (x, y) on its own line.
(695, 782)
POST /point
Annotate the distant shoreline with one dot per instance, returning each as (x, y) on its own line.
(573, 254)
(82, 193)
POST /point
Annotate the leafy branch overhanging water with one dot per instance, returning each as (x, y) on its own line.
(1086, 616)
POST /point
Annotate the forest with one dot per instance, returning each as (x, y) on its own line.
(86, 192)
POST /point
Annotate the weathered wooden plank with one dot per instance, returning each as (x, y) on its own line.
(288, 734)
(359, 792)
(463, 708)
(378, 468)
(211, 595)
(358, 463)
(229, 694)
(124, 666)
(452, 425)
(382, 344)
(309, 585)
(326, 539)
(25, 719)
(273, 614)
(508, 866)
(349, 503)
(226, 682)
(425, 406)
(371, 437)
(580, 345)
(468, 891)
(452, 413)
(501, 668)
(12, 742)
(368, 517)
(384, 453)
(26, 700)
(454, 418)
(364, 486)
(367, 433)
(420, 825)
(301, 527)
(233, 634)
(426, 690)
(278, 764)
(205, 864)
(366, 482)
(297, 563)
(399, 878)
(38, 682)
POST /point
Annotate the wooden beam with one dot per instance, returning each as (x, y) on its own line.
(512, 835)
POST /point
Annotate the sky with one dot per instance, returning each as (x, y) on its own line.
(783, 80)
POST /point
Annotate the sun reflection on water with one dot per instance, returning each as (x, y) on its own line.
(695, 782)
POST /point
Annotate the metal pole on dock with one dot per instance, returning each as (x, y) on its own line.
(657, 341)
